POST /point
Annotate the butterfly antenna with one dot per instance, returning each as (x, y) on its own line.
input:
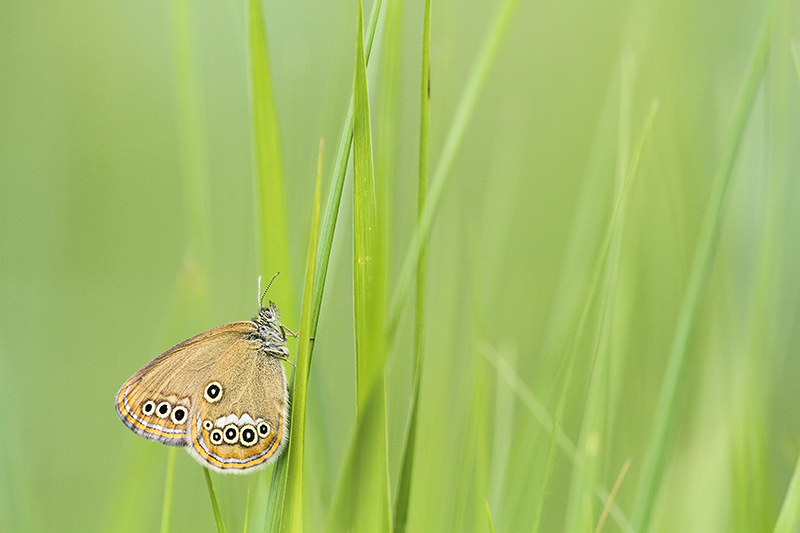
(261, 301)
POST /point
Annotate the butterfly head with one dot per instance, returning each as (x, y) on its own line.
(268, 314)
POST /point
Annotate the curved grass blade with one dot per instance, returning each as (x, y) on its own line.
(292, 518)
(271, 212)
(655, 459)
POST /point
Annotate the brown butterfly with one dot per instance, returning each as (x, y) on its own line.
(221, 394)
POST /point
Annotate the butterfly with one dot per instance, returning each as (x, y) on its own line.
(221, 394)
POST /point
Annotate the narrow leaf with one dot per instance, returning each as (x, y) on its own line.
(655, 459)
(362, 499)
(214, 504)
(271, 201)
(293, 503)
(407, 466)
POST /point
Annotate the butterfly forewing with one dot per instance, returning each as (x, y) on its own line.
(156, 402)
(222, 394)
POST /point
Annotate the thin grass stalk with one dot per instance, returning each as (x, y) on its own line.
(489, 517)
(271, 224)
(214, 504)
(407, 466)
(192, 132)
(655, 459)
(337, 184)
(195, 173)
(586, 472)
(276, 500)
(466, 106)
(169, 482)
(594, 284)
(246, 512)
(292, 517)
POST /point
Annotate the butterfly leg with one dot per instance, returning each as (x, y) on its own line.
(286, 330)
(282, 358)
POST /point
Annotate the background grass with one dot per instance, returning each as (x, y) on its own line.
(129, 221)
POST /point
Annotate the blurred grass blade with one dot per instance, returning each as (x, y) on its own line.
(247, 511)
(489, 516)
(587, 471)
(594, 285)
(169, 482)
(406, 468)
(362, 499)
(795, 47)
(789, 517)
(335, 193)
(655, 459)
(610, 500)
(214, 504)
(273, 235)
(192, 131)
(466, 105)
(293, 504)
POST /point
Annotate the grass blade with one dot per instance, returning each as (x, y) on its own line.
(214, 504)
(655, 458)
(406, 469)
(335, 194)
(610, 500)
(169, 482)
(293, 503)
(271, 200)
(789, 516)
(489, 517)
(362, 499)
(466, 105)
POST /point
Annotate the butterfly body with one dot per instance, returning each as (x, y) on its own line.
(221, 394)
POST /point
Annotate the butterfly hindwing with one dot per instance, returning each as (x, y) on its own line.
(240, 420)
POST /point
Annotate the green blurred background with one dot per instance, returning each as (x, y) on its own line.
(96, 278)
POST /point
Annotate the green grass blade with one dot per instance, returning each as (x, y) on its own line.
(466, 106)
(192, 130)
(335, 193)
(169, 482)
(368, 260)
(655, 459)
(586, 474)
(273, 235)
(293, 503)
(214, 504)
(795, 47)
(362, 499)
(406, 468)
(594, 285)
(489, 517)
(277, 487)
(247, 512)
(789, 517)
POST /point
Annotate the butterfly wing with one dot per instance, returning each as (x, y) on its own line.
(240, 422)
(157, 400)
